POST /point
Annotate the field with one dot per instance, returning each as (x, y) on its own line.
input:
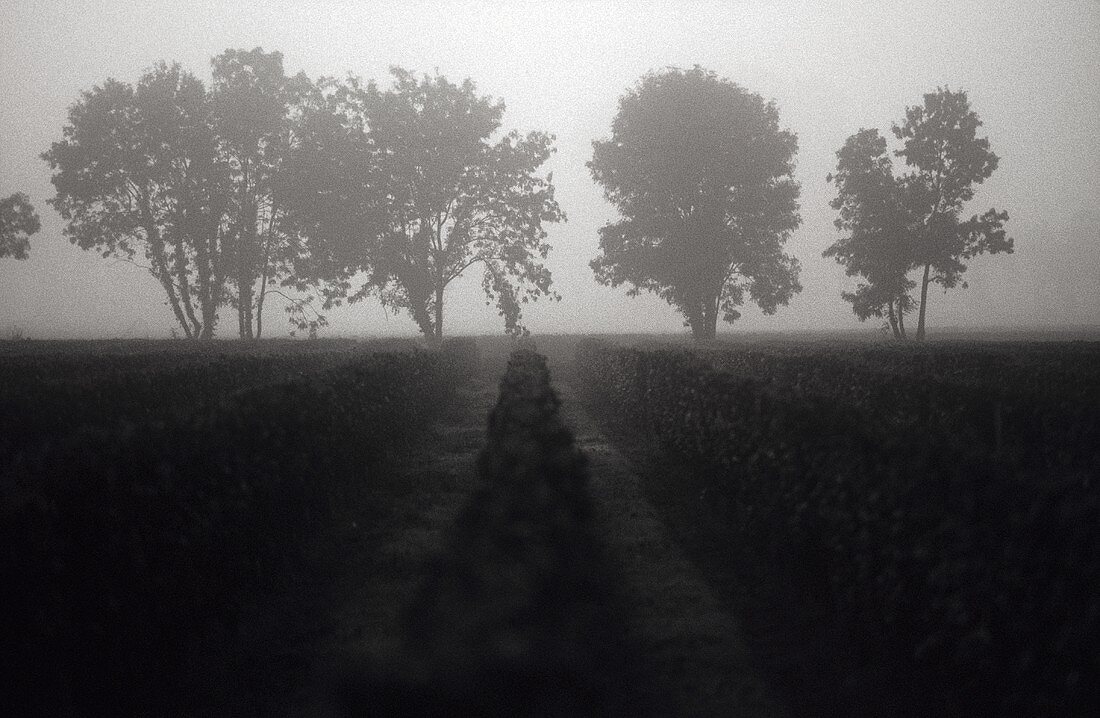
(600, 526)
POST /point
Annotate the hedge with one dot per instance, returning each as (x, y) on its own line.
(974, 560)
(512, 618)
(130, 549)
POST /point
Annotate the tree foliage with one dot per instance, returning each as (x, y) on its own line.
(255, 107)
(878, 248)
(917, 215)
(182, 181)
(402, 190)
(947, 159)
(138, 172)
(18, 221)
(702, 177)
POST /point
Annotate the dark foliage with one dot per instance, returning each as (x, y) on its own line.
(914, 221)
(18, 221)
(398, 192)
(137, 174)
(957, 515)
(48, 389)
(513, 619)
(131, 546)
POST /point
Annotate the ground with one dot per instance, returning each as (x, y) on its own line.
(347, 616)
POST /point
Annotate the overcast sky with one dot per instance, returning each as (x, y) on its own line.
(1032, 72)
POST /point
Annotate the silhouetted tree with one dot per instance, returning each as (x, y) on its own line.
(702, 177)
(401, 190)
(18, 221)
(947, 160)
(878, 247)
(138, 170)
(254, 107)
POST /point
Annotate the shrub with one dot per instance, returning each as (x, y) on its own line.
(958, 519)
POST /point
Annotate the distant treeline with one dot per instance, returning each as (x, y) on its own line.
(329, 191)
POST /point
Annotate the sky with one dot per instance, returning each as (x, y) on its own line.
(1031, 71)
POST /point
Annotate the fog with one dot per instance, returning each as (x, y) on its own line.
(1030, 70)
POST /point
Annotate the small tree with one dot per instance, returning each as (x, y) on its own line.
(138, 170)
(415, 191)
(878, 247)
(702, 177)
(18, 221)
(948, 159)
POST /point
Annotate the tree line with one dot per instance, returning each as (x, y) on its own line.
(331, 191)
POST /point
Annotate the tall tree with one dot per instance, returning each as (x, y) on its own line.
(947, 158)
(419, 188)
(18, 221)
(702, 177)
(254, 107)
(138, 170)
(878, 247)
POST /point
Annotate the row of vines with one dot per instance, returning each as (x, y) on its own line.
(512, 618)
(946, 499)
(143, 507)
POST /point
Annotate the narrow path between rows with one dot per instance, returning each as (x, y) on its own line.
(373, 561)
(692, 645)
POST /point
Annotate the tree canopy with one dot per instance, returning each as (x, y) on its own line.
(701, 175)
(878, 248)
(18, 221)
(267, 181)
(182, 181)
(255, 108)
(138, 171)
(947, 159)
(914, 222)
(416, 188)
(264, 183)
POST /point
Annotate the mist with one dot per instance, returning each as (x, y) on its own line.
(561, 67)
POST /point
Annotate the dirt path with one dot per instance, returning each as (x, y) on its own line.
(693, 646)
(369, 567)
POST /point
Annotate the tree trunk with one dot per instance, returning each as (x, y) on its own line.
(209, 319)
(901, 323)
(710, 328)
(263, 283)
(205, 256)
(704, 321)
(438, 338)
(173, 300)
(160, 268)
(246, 249)
(260, 312)
(923, 303)
(244, 304)
(893, 319)
(185, 290)
(695, 321)
(160, 271)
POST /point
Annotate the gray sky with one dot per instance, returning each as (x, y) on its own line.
(1032, 71)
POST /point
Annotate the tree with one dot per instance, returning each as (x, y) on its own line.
(254, 105)
(940, 143)
(138, 169)
(878, 248)
(18, 221)
(415, 191)
(702, 176)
